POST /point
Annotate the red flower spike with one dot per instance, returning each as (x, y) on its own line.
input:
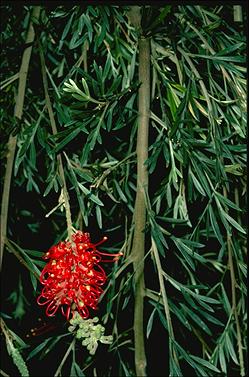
(72, 277)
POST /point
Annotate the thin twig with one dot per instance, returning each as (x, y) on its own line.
(13, 139)
(165, 299)
(54, 130)
(4, 374)
(64, 358)
(9, 80)
(20, 258)
(234, 299)
(109, 170)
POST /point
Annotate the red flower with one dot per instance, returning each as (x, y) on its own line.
(73, 278)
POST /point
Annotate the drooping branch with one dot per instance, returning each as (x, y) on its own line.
(13, 139)
(138, 247)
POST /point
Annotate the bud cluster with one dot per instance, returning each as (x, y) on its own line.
(90, 332)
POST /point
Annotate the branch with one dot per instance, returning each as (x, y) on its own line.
(13, 139)
(138, 247)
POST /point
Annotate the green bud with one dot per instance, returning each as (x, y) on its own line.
(71, 328)
(89, 332)
(106, 339)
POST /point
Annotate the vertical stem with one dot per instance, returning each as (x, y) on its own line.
(12, 139)
(234, 300)
(138, 247)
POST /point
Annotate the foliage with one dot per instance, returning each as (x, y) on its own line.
(195, 256)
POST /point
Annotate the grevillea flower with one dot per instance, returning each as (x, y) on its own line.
(72, 278)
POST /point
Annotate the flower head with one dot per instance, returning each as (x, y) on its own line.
(72, 278)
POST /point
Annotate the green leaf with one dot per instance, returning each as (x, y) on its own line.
(53, 342)
(34, 253)
(206, 298)
(150, 323)
(85, 86)
(226, 201)
(162, 318)
(222, 360)
(107, 67)
(215, 225)
(126, 371)
(179, 314)
(18, 340)
(193, 243)
(225, 300)
(172, 102)
(67, 27)
(33, 281)
(37, 349)
(87, 176)
(197, 183)
(39, 263)
(158, 236)
(211, 318)
(185, 251)
(199, 173)
(78, 370)
(229, 346)
(230, 49)
(120, 192)
(172, 220)
(88, 23)
(169, 195)
(188, 359)
(233, 222)
(196, 319)
(99, 216)
(80, 97)
(205, 363)
(90, 195)
(95, 199)
(49, 187)
(221, 59)
(174, 368)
